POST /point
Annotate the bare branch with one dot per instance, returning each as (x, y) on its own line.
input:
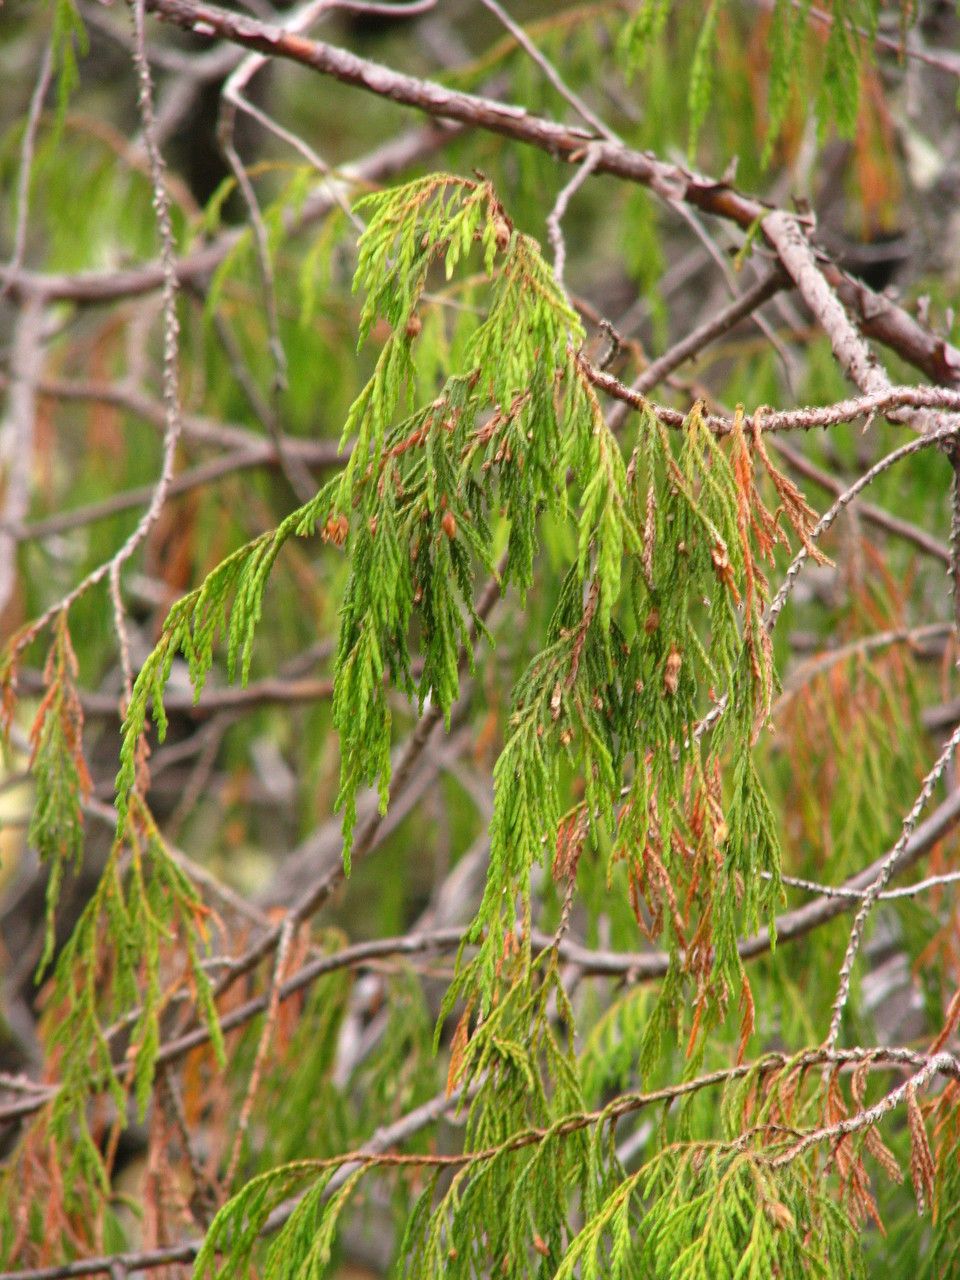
(27, 147)
(852, 353)
(887, 866)
(888, 895)
(888, 402)
(171, 330)
(550, 71)
(939, 1064)
(16, 436)
(557, 213)
(896, 526)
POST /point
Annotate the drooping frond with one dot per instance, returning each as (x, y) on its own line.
(813, 58)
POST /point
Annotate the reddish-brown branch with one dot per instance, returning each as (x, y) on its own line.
(891, 402)
(878, 317)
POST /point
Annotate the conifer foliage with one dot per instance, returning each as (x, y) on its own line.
(567, 594)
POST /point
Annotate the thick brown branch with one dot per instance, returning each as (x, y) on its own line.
(879, 318)
(891, 402)
(851, 351)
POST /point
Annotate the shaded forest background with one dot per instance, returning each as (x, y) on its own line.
(859, 139)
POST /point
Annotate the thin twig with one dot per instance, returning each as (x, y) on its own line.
(942, 60)
(775, 607)
(939, 1064)
(262, 246)
(385, 8)
(826, 520)
(887, 868)
(693, 343)
(266, 1035)
(557, 213)
(213, 701)
(303, 148)
(201, 68)
(170, 1094)
(233, 99)
(550, 71)
(809, 670)
(896, 526)
(170, 377)
(27, 148)
(199, 477)
(888, 895)
(293, 468)
(890, 402)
